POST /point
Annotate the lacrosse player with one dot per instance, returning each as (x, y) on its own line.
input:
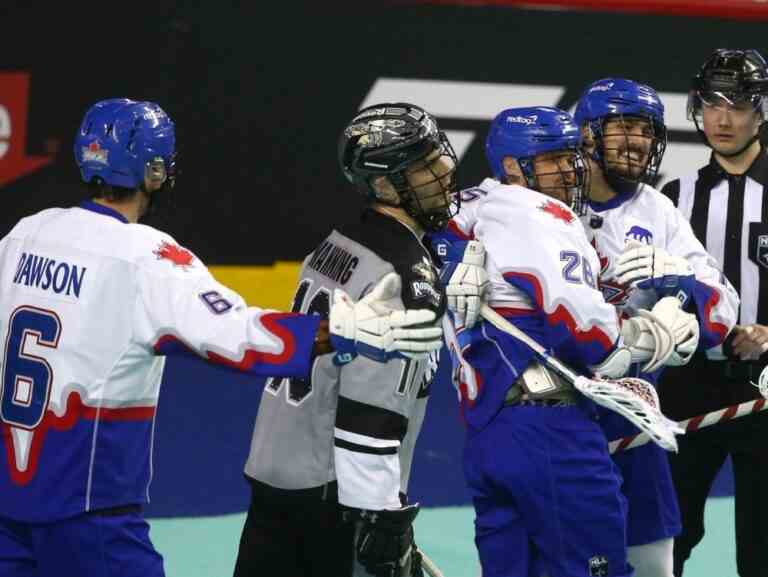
(647, 251)
(331, 454)
(90, 304)
(546, 493)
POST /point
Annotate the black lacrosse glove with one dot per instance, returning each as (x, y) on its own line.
(416, 565)
(385, 541)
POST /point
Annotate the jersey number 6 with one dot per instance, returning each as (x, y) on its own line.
(27, 378)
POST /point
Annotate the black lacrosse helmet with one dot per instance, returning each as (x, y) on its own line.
(736, 76)
(386, 140)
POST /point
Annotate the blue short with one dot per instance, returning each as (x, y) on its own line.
(547, 495)
(89, 545)
(653, 512)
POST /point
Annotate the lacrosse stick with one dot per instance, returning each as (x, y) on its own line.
(429, 566)
(634, 399)
(706, 420)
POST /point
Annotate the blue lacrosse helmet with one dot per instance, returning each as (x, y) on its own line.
(524, 133)
(621, 98)
(121, 142)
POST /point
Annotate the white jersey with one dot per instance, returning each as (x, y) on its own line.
(89, 304)
(543, 278)
(651, 218)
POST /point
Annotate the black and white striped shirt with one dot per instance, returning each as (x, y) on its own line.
(729, 215)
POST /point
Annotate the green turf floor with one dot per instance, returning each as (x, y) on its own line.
(206, 547)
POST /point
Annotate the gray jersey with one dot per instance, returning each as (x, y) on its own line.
(358, 423)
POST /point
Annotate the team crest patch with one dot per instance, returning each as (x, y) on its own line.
(425, 270)
(762, 250)
(177, 255)
(598, 566)
(95, 153)
(424, 285)
(639, 234)
(558, 211)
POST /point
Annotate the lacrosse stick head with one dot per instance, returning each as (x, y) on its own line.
(636, 400)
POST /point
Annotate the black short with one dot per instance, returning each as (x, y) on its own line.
(295, 533)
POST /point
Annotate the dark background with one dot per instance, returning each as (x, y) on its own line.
(259, 95)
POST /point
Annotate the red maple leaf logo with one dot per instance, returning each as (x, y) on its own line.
(613, 292)
(94, 146)
(177, 255)
(558, 211)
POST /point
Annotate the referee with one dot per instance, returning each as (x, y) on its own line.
(726, 202)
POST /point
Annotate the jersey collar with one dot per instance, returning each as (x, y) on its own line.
(758, 171)
(617, 200)
(101, 209)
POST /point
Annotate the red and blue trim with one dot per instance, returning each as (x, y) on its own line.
(707, 298)
(75, 411)
(296, 333)
(593, 343)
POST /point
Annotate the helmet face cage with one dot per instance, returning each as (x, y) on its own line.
(636, 172)
(574, 179)
(432, 210)
(162, 171)
(402, 143)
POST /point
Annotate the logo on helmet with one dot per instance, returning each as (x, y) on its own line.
(527, 120)
(601, 87)
(155, 116)
(95, 153)
(648, 98)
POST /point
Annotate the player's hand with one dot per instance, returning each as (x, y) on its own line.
(750, 341)
(684, 327)
(374, 328)
(385, 541)
(649, 267)
(665, 335)
(649, 340)
(322, 344)
(465, 281)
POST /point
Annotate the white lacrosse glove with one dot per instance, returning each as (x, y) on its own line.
(649, 339)
(684, 327)
(615, 365)
(649, 267)
(467, 280)
(373, 328)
